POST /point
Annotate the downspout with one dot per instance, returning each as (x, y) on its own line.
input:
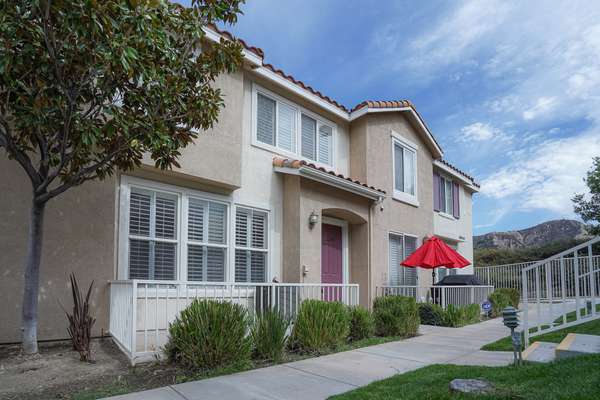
(378, 202)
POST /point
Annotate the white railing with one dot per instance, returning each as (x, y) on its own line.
(510, 275)
(562, 290)
(141, 311)
(442, 295)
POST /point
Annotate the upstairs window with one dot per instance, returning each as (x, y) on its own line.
(288, 129)
(446, 195)
(251, 245)
(405, 174)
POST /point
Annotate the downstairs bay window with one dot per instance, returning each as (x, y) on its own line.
(169, 233)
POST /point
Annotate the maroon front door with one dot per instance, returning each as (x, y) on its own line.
(331, 260)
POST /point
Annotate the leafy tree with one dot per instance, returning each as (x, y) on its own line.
(589, 210)
(88, 87)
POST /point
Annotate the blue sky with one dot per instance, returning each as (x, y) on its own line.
(510, 89)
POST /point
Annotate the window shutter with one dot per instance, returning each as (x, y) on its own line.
(165, 216)
(165, 259)
(195, 263)
(217, 222)
(258, 266)
(242, 223)
(325, 144)
(259, 234)
(410, 274)
(286, 127)
(139, 214)
(456, 200)
(196, 219)
(265, 120)
(309, 140)
(139, 259)
(215, 262)
(436, 192)
(250, 233)
(395, 259)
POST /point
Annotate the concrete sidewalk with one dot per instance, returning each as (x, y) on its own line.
(321, 377)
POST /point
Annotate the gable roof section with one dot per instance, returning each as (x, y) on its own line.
(451, 169)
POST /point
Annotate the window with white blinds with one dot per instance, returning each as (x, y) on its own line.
(401, 246)
(206, 241)
(166, 243)
(286, 127)
(153, 236)
(251, 245)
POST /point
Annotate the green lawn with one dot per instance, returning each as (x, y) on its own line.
(588, 328)
(573, 378)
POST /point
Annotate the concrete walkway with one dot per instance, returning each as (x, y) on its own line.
(319, 378)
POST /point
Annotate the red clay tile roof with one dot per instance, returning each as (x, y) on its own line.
(383, 104)
(446, 163)
(292, 163)
(256, 50)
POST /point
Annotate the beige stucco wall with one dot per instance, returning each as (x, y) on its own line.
(393, 216)
(79, 237)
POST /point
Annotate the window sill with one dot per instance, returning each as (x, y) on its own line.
(447, 216)
(406, 198)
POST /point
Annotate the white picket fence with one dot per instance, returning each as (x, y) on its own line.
(141, 310)
(442, 295)
(562, 290)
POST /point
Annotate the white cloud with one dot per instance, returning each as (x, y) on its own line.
(546, 176)
(541, 108)
(479, 132)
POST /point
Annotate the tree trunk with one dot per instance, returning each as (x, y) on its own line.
(32, 278)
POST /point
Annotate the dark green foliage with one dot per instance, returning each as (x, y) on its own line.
(362, 324)
(320, 325)
(268, 335)
(455, 316)
(396, 316)
(485, 257)
(500, 300)
(431, 314)
(209, 334)
(514, 296)
(589, 208)
(80, 321)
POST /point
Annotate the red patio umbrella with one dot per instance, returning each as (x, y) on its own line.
(435, 253)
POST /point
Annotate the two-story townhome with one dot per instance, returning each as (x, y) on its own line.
(289, 186)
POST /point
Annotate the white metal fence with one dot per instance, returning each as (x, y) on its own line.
(562, 290)
(141, 311)
(442, 295)
(510, 275)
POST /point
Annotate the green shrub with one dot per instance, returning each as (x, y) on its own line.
(472, 314)
(209, 334)
(396, 316)
(499, 300)
(431, 314)
(268, 335)
(362, 324)
(320, 325)
(514, 296)
(457, 316)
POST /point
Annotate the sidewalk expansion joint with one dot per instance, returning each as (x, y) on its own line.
(320, 376)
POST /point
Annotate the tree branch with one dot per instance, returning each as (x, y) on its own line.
(21, 157)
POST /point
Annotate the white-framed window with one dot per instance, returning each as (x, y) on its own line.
(171, 233)
(251, 245)
(404, 171)
(400, 247)
(446, 196)
(285, 128)
(153, 238)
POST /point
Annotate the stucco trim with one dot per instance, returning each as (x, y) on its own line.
(331, 180)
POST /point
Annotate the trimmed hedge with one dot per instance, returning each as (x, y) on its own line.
(396, 316)
(208, 335)
(514, 296)
(362, 324)
(500, 300)
(320, 325)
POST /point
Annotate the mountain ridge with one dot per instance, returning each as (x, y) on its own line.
(538, 235)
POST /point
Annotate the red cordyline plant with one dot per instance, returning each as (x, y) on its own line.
(80, 321)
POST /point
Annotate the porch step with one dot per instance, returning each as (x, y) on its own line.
(578, 344)
(540, 352)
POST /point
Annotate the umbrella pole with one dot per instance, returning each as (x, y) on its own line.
(433, 276)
